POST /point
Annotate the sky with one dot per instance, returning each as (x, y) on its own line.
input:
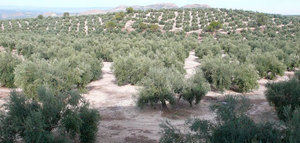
(286, 7)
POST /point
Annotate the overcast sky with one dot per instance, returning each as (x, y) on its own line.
(268, 6)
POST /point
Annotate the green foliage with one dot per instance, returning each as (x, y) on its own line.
(245, 78)
(297, 75)
(36, 120)
(261, 19)
(195, 88)
(66, 14)
(268, 65)
(284, 94)
(227, 73)
(131, 69)
(154, 27)
(159, 85)
(7, 66)
(294, 126)
(40, 16)
(213, 26)
(133, 61)
(143, 26)
(74, 71)
(208, 47)
(110, 25)
(119, 15)
(218, 72)
(232, 125)
(89, 127)
(129, 10)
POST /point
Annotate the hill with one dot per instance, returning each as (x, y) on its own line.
(31, 12)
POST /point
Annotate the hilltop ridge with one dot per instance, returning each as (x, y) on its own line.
(138, 7)
(16, 12)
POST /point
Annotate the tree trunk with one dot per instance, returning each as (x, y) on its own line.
(179, 98)
(191, 104)
(164, 105)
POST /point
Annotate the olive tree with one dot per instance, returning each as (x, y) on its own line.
(64, 117)
(195, 88)
(231, 125)
(159, 86)
(8, 63)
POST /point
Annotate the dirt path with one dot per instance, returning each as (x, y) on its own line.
(121, 120)
(78, 24)
(86, 28)
(191, 19)
(100, 20)
(106, 93)
(4, 92)
(191, 63)
(174, 28)
(128, 26)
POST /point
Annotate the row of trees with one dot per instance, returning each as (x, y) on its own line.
(233, 125)
(201, 19)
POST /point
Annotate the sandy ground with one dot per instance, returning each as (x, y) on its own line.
(4, 92)
(190, 64)
(2, 49)
(123, 122)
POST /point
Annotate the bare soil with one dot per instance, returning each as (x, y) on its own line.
(128, 26)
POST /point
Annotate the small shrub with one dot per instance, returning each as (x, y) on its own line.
(154, 27)
(110, 25)
(213, 26)
(119, 15)
(129, 10)
(143, 26)
(284, 94)
(66, 14)
(39, 120)
(40, 16)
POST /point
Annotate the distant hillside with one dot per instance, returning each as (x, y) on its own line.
(19, 12)
(11, 12)
(137, 7)
(196, 6)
